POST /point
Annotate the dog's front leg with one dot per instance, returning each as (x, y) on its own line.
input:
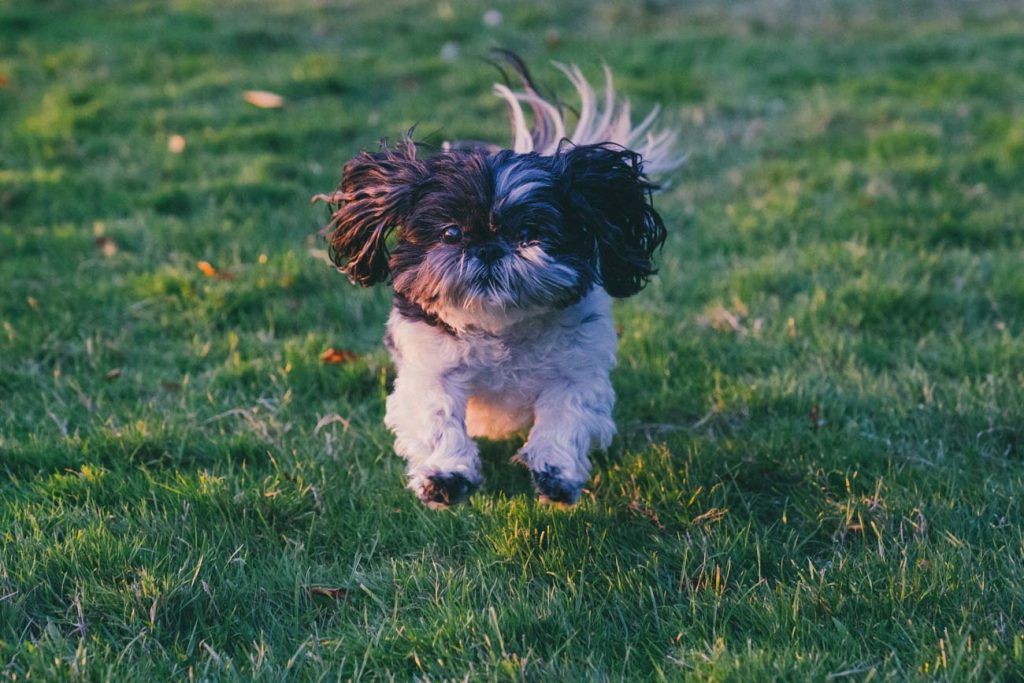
(427, 413)
(571, 417)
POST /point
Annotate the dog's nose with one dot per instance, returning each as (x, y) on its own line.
(489, 252)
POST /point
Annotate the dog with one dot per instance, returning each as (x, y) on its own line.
(503, 264)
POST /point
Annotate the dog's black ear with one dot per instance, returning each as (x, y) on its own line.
(609, 199)
(375, 196)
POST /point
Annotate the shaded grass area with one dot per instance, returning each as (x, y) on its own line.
(819, 467)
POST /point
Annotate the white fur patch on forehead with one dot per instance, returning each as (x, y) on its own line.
(517, 179)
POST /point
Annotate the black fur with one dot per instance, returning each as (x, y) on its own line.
(610, 198)
(375, 194)
(587, 207)
(446, 489)
(550, 485)
(410, 310)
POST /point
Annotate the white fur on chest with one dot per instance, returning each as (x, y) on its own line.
(502, 370)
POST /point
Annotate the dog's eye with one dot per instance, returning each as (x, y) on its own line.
(526, 236)
(451, 235)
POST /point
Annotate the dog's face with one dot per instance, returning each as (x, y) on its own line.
(496, 232)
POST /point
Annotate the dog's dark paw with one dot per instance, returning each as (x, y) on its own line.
(552, 488)
(442, 490)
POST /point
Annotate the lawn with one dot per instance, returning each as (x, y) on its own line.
(820, 466)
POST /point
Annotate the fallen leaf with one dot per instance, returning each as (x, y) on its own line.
(334, 593)
(264, 99)
(334, 356)
(113, 374)
(32, 302)
(209, 271)
(176, 144)
(4, 82)
(107, 246)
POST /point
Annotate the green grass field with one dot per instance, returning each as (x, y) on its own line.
(820, 467)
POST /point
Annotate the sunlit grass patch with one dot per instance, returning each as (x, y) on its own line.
(818, 468)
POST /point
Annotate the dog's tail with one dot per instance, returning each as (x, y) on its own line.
(599, 120)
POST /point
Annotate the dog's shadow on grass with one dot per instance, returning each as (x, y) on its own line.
(501, 475)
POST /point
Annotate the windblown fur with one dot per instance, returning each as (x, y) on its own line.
(601, 120)
(503, 264)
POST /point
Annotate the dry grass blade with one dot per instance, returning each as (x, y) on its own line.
(329, 420)
(646, 512)
(335, 593)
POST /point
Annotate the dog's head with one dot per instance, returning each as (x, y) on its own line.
(496, 232)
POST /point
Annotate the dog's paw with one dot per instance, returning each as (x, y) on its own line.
(439, 491)
(554, 489)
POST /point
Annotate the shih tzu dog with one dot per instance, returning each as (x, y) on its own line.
(504, 263)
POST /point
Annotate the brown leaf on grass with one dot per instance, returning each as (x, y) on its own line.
(176, 144)
(4, 82)
(333, 593)
(263, 99)
(107, 246)
(334, 356)
(113, 374)
(209, 271)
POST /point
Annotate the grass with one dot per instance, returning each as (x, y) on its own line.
(821, 397)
